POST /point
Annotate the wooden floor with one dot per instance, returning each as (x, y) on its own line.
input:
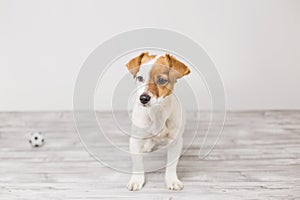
(257, 157)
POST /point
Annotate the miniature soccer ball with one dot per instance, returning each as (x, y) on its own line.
(36, 139)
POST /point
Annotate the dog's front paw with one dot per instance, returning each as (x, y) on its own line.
(148, 146)
(136, 182)
(174, 184)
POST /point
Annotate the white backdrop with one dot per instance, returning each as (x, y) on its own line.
(255, 45)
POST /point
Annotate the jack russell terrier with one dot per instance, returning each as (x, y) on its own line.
(157, 117)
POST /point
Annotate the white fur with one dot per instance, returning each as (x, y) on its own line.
(160, 122)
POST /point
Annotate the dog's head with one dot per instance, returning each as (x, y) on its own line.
(155, 76)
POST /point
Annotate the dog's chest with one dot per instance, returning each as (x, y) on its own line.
(152, 123)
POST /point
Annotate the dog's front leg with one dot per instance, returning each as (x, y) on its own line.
(138, 176)
(174, 152)
(158, 116)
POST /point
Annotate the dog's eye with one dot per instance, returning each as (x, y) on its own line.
(161, 81)
(140, 78)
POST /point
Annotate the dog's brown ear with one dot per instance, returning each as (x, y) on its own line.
(178, 69)
(134, 64)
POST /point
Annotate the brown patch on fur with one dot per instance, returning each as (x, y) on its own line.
(163, 61)
(151, 86)
(161, 69)
(168, 68)
(134, 64)
(147, 58)
(179, 69)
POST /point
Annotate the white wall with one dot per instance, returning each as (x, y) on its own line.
(255, 45)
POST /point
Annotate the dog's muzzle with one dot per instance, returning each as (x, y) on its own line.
(144, 98)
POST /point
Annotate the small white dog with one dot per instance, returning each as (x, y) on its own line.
(157, 117)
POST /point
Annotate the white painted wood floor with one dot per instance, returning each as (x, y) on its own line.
(257, 157)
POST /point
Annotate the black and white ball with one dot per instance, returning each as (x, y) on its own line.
(36, 139)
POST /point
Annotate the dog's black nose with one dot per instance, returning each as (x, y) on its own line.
(145, 98)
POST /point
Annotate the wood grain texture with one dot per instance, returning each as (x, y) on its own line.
(257, 157)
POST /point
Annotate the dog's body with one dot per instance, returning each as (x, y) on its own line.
(157, 117)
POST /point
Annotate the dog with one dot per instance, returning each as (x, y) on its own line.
(157, 117)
